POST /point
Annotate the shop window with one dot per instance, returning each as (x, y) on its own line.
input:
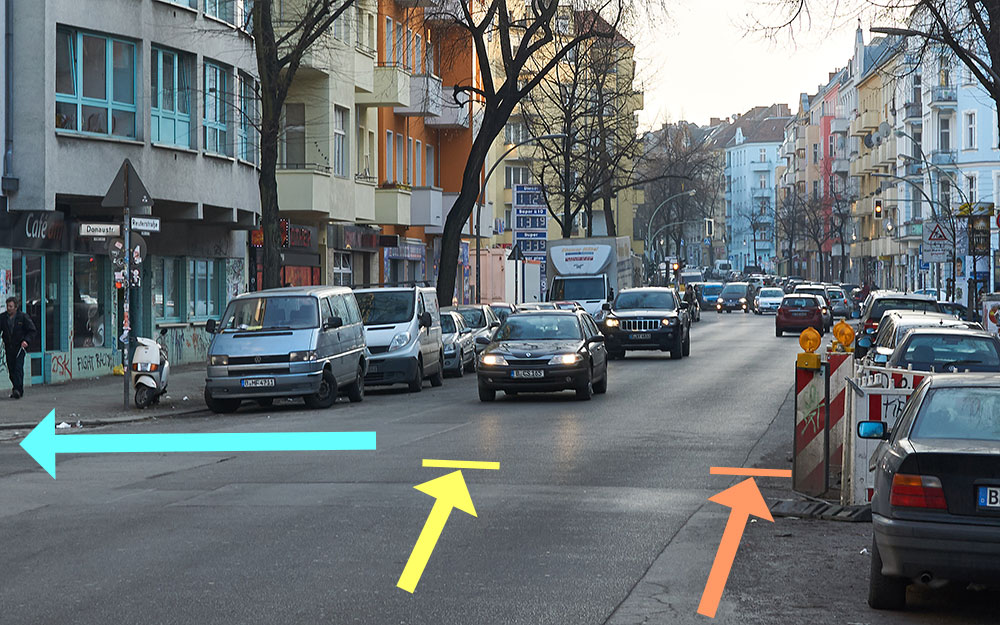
(90, 303)
(342, 269)
(203, 288)
(170, 98)
(166, 289)
(216, 116)
(95, 84)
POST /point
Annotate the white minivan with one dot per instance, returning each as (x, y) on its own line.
(403, 334)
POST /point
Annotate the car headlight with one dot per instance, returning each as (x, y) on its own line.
(718, 301)
(400, 340)
(743, 300)
(566, 359)
(494, 360)
(611, 322)
(302, 356)
(218, 360)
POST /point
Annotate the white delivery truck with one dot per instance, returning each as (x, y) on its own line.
(590, 271)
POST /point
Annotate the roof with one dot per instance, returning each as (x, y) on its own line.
(933, 330)
(939, 380)
(290, 291)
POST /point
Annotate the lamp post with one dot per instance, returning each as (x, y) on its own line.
(649, 226)
(479, 206)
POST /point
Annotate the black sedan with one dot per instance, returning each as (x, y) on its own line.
(936, 506)
(544, 351)
(947, 349)
(649, 318)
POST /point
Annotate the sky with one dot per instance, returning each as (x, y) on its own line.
(702, 62)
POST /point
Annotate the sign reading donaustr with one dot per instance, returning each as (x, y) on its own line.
(100, 230)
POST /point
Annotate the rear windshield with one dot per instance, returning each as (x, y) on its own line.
(473, 317)
(959, 413)
(271, 313)
(502, 312)
(879, 306)
(448, 324)
(771, 293)
(646, 300)
(533, 327)
(385, 307)
(799, 302)
(813, 290)
(578, 289)
(942, 351)
(837, 293)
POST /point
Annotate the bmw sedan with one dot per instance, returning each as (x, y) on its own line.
(936, 506)
(544, 351)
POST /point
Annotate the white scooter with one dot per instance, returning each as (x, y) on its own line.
(150, 369)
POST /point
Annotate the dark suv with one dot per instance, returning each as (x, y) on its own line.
(734, 296)
(647, 319)
(878, 303)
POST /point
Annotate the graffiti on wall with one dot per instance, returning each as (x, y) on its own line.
(235, 283)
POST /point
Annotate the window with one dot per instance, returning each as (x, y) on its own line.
(516, 132)
(170, 98)
(388, 55)
(970, 130)
(90, 298)
(815, 189)
(409, 58)
(340, 158)
(244, 16)
(516, 175)
(246, 133)
(295, 135)
(388, 156)
(429, 164)
(410, 177)
(944, 191)
(399, 158)
(429, 60)
(971, 185)
(418, 153)
(944, 133)
(341, 270)
(763, 155)
(95, 83)
(203, 288)
(832, 143)
(418, 56)
(815, 153)
(562, 25)
(166, 289)
(221, 9)
(400, 52)
(216, 117)
(342, 27)
(762, 181)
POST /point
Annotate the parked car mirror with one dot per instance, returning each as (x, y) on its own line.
(606, 306)
(865, 342)
(873, 430)
(466, 330)
(880, 359)
(495, 325)
(482, 340)
(425, 319)
(855, 314)
(332, 323)
(210, 326)
(597, 338)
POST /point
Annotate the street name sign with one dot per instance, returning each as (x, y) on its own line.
(146, 224)
(100, 230)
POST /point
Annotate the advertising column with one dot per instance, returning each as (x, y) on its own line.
(531, 226)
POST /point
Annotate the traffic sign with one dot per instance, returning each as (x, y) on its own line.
(146, 224)
(516, 254)
(100, 230)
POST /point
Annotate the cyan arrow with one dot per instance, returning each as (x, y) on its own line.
(42, 444)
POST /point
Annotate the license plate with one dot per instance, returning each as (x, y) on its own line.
(374, 368)
(800, 314)
(989, 497)
(257, 382)
(640, 336)
(527, 373)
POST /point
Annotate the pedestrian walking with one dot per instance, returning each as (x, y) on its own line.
(16, 331)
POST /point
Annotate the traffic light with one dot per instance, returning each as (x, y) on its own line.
(709, 227)
(676, 266)
(878, 209)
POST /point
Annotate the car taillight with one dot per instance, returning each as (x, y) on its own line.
(917, 491)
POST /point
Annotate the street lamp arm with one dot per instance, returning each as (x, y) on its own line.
(915, 186)
(649, 226)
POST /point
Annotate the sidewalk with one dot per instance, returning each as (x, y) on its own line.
(100, 400)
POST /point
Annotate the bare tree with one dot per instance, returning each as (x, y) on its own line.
(281, 41)
(788, 219)
(816, 228)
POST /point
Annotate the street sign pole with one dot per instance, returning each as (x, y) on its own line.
(127, 319)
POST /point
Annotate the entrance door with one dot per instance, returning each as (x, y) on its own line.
(36, 285)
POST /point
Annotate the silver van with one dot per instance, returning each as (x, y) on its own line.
(294, 342)
(403, 334)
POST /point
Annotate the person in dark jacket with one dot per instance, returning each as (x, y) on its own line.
(16, 331)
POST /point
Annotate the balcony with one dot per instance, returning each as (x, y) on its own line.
(761, 166)
(392, 205)
(914, 170)
(944, 98)
(839, 126)
(305, 188)
(943, 158)
(913, 112)
(364, 199)
(761, 194)
(870, 120)
(364, 70)
(425, 207)
(425, 97)
(391, 87)
(452, 116)
(841, 166)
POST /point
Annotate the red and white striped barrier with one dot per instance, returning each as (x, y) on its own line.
(809, 469)
(867, 404)
(840, 367)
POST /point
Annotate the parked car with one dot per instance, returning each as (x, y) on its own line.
(952, 308)
(403, 330)
(565, 305)
(536, 306)
(293, 342)
(651, 318)
(820, 291)
(459, 345)
(878, 302)
(799, 311)
(545, 351)
(945, 349)
(896, 323)
(840, 303)
(503, 310)
(734, 296)
(936, 503)
(480, 318)
(768, 299)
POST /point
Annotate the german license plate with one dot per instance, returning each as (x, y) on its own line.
(257, 382)
(527, 373)
(989, 497)
(640, 336)
(796, 313)
(374, 367)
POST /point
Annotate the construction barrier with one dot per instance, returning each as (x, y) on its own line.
(867, 404)
(810, 468)
(840, 366)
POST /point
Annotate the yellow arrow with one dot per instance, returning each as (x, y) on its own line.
(450, 492)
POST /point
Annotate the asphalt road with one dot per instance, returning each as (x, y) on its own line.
(598, 513)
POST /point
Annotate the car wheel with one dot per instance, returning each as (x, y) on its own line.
(438, 378)
(777, 331)
(686, 348)
(585, 392)
(601, 387)
(677, 350)
(221, 406)
(460, 369)
(486, 394)
(356, 391)
(884, 593)
(470, 367)
(417, 383)
(326, 395)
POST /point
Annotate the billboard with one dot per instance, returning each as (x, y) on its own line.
(530, 225)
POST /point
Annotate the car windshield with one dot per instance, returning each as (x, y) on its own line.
(941, 351)
(646, 300)
(879, 306)
(771, 293)
(534, 327)
(385, 307)
(578, 288)
(799, 302)
(711, 290)
(965, 413)
(447, 324)
(734, 289)
(502, 312)
(271, 313)
(473, 317)
(836, 294)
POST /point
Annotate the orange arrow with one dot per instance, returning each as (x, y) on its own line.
(745, 500)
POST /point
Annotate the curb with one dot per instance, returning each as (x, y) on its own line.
(111, 421)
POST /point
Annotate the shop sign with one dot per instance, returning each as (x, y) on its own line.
(979, 235)
(406, 251)
(39, 230)
(292, 237)
(359, 239)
